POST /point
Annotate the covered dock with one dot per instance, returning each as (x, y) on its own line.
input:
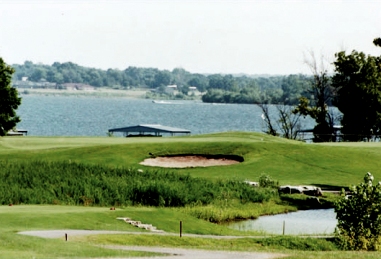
(17, 132)
(149, 130)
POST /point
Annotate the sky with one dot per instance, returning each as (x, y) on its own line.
(229, 37)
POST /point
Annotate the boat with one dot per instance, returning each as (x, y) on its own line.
(161, 102)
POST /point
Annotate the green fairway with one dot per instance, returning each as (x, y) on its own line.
(289, 162)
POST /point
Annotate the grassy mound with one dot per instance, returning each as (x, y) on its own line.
(290, 162)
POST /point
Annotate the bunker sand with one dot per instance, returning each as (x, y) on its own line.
(187, 161)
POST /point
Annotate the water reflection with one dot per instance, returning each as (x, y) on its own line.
(301, 222)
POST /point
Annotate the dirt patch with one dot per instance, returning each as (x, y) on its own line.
(184, 161)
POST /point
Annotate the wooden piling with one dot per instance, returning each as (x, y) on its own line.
(284, 226)
(181, 228)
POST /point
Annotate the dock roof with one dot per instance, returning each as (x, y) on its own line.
(142, 129)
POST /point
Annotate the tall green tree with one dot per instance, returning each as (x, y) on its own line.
(9, 100)
(358, 82)
(293, 87)
(162, 78)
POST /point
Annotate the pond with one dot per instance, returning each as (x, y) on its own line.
(309, 222)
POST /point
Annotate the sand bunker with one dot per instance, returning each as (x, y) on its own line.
(191, 161)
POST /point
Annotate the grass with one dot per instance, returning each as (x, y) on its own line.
(332, 165)
(43, 182)
(234, 210)
(98, 92)
(42, 217)
(291, 247)
(17, 246)
(33, 217)
(289, 162)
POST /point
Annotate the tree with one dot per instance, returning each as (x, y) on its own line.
(377, 42)
(9, 100)
(199, 81)
(37, 75)
(180, 76)
(287, 122)
(270, 129)
(293, 86)
(358, 82)
(320, 94)
(358, 216)
(162, 78)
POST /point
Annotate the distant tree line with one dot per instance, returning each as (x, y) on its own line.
(217, 88)
(274, 90)
(131, 77)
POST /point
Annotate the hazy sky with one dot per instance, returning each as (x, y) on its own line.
(254, 37)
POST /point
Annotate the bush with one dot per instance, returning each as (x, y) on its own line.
(358, 215)
(266, 181)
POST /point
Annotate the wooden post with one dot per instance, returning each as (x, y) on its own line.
(65, 236)
(181, 228)
(284, 226)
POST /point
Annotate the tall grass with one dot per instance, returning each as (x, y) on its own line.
(41, 182)
(224, 211)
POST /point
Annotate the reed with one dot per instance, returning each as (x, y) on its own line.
(42, 182)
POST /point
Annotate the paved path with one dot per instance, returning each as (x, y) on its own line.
(72, 232)
(174, 253)
(171, 253)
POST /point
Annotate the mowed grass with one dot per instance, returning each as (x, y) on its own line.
(289, 162)
(42, 217)
(23, 218)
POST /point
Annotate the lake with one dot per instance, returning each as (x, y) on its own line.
(93, 116)
(309, 222)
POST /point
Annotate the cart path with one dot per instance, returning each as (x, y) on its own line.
(78, 232)
(169, 253)
(174, 253)
(73, 232)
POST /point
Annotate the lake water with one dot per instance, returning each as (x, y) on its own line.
(309, 222)
(93, 116)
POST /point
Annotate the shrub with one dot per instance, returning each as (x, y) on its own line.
(266, 181)
(359, 218)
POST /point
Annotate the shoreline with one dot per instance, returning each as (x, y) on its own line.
(101, 92)
(138, 93)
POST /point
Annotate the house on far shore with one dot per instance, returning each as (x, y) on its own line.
(25, 83)
(170, 89)
(192, 90)
(78, 86)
